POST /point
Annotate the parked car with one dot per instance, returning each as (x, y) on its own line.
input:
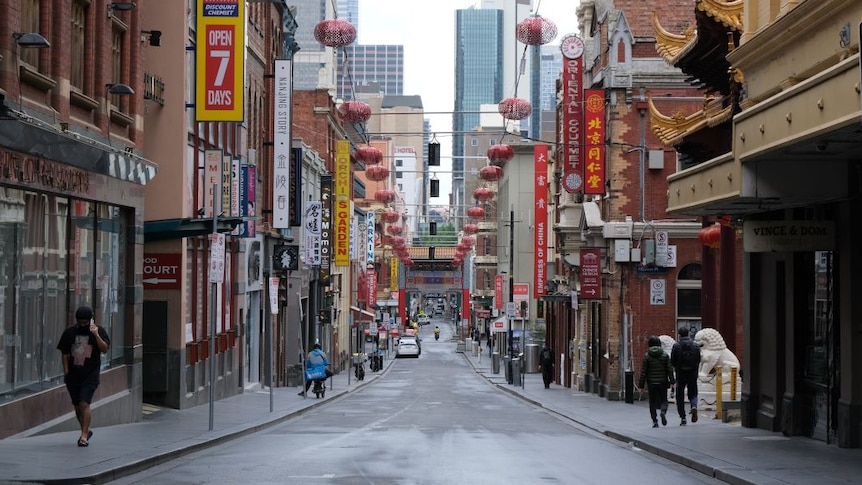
(424, 320)
(414, 339)
(407, 348)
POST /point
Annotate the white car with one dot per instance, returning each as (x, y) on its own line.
(424, 320)
(407, 348)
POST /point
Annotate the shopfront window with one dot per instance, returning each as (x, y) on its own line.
(688, 289)
(55, 254)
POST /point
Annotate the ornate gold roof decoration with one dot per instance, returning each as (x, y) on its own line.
(673, 129)
(670, 45)
(728, 13)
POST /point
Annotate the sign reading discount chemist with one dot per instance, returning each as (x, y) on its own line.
(219, 60)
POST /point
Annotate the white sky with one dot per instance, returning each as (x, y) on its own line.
(427, 33)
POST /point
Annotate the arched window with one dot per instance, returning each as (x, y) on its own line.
(688, 309)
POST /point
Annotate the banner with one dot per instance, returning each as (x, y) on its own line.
(371, 274)
(393, 275)
(571, 114)
(220, 60)
(540, 205)
(594, 137)
(313, 212)
(325, 228)
(342, 203)
(281, 146)
(498, 291)
(212, 180)
(369, 239)
(591, 273)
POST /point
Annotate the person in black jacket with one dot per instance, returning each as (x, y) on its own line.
(685, 358)
(657, 373)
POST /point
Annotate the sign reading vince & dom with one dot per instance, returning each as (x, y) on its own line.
(788, 236)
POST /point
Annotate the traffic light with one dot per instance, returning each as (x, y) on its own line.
(433, 154)
(435, 188)
(431, 252)
(432, 228)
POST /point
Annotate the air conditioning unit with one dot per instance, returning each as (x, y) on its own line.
(618, 230)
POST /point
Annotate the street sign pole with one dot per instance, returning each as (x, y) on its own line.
(213, 294)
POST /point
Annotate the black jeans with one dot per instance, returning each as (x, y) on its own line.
(686, 380)
(657, 399)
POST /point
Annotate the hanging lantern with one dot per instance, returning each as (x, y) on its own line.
(491, 173)
(385, 196)
(515, 108)
(354, 112)
(389, 216)
(335, 32)
(483, 194)
(535, 30)
(710, 236)
(471, 228)
(457, 262)
(396, 242)
(464, 247)
(469, 240)
(377, 173)
(368, 155)
(408, 262)
(394, 229)
(476, 212)
(500, 154)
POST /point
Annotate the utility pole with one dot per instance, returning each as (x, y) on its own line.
(511, 333)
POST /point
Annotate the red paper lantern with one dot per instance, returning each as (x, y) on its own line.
(368, 155)
(535, 30)
(710, 236)
(483, 194)
(469, 240)
(491, 173)
(377, 173)
(354, 112)
(464, 247)
(476, 212)
(501, 153)
(335, 32)
(394, 229)
(389, 216)
(471, 228)
(385, 196)
(515, 108)
(408, 262)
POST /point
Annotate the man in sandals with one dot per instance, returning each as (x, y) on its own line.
(82, 346)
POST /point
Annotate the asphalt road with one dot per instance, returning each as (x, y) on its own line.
(429, 420)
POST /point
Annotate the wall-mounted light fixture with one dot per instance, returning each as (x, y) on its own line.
(154, 36)
(30, 39)
(119, 88)
(120, 7)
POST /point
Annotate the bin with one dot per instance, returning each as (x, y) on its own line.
(475, 348)
(507, 368)
(531, 358)
(516, 371)
(468, 344)
(495, 362)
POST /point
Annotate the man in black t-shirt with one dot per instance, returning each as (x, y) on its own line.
(82, 346)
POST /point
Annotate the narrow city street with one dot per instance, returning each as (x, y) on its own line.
(428, 420)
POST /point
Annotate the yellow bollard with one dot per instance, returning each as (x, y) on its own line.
(733, 374)
(719, 393)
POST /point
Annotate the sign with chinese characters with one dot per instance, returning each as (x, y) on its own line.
(393, 275)
(591, 273)
(498, 291)
(313, 211)
(594, 138)
(371, 274)
(220, 60)
(540, 205)
(570, 124)
(325, 228)
(342, 203)
(281, 146)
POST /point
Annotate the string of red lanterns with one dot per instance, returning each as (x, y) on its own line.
(500, 154)
(368, 154)
(515, 108)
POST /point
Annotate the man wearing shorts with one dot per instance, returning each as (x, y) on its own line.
(82, 346)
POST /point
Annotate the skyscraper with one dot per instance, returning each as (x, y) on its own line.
(314, 65)
(369, 64)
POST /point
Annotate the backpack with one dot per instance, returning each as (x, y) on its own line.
(689, 356)
(547, 357)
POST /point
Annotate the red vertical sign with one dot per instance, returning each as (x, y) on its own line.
(498, 291)
(591, 273)
(372, 288)
(540, 205)
(402, 306)
(570, 126)
(594, 137)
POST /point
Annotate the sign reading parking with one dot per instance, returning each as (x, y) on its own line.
(162, 271)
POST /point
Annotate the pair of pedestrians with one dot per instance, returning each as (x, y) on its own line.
(657, 373)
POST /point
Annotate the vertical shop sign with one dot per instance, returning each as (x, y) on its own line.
(281, 146)
(313, 211)
(594, 135)
(220, 61)
(369, 237)
(325, 228)
(393, 275)
(540, 205)
(571, 115)
(498, 291)
(591, 273)
(212, 178)
(342, 203)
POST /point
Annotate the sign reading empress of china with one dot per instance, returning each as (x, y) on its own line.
(571, 114)
(220, 60)
(540, 205)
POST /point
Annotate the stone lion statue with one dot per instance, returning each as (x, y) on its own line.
(666, 343)
(714, 353)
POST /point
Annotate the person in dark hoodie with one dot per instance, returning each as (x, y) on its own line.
(657, 374)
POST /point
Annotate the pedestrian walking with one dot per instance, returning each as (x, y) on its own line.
(657, 376)
(685, 358)
(546, 362)
(82, 346)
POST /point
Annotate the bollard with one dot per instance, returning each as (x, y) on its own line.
(719, 394)
(733, 371)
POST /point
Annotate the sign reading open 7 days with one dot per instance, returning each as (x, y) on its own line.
(220, 54)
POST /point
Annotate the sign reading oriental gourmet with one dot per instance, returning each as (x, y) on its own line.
(220, 59)
(540, 205)
(594, 137)
(570, 116)
(342, 203)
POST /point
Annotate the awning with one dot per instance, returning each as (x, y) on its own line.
(364, 312)
(167, 229)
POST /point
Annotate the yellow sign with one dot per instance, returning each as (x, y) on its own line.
(342, 203)
(393, 275)
(220, 60)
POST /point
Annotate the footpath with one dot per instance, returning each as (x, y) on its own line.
(726, 451)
